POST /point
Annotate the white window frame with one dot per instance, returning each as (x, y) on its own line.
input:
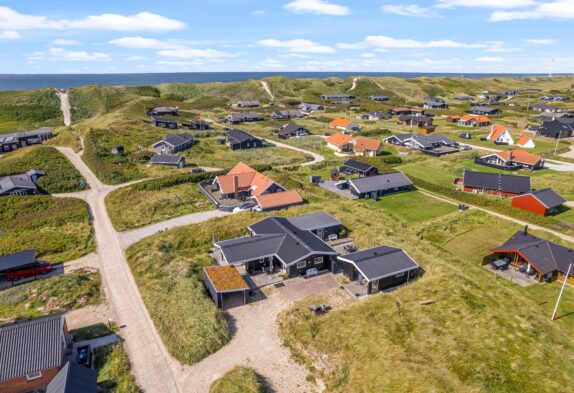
(301, 265)
(34, 375)
(400, 274)
(321, 260)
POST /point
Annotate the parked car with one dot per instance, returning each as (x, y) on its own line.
(466, 147)
(242, 208)
(84, 355)
(39, 268)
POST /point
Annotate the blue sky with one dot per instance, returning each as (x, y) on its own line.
(460, 36)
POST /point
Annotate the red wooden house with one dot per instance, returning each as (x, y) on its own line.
(501, 185)
(544, 202)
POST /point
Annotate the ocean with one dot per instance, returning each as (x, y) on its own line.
(64, 81)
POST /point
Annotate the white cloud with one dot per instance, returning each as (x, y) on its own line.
(191, 53)
(145, 43)
(64, 42)
(560, 9)
(317, 7)
(540, 41)
(409, 10)
(61, 54)
(258, 12)
(271, 63)
(367, 55)
(499, 47)
(489, 59)
(143, 21)
(9, 35)
(297, 46)
(135, 58)
(496, 4)
(381, 42)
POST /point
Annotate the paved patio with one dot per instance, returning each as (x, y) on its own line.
(300, 287)
(356, 289)
(329, 185)
(515, 276)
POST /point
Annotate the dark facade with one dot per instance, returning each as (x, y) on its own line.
(238, 140)
(17, 140)
(165, 123)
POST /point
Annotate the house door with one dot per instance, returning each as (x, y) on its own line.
(321, 234)
(374, 286)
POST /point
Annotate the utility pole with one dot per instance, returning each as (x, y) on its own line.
(557, 140)
(561, 292)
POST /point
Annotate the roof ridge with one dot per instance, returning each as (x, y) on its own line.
(292, 234)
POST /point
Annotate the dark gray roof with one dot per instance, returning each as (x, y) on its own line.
(7, 138)
(548, 197)
(31, 345)
(336, 96)
(497, 181)
(17, 260)
(176, 139)
(250, 247)
(239, 135)
(380, 182)
(545, 255)
(380, 262)
(164, 120)
(358, 165)
(424, 140)
(290, 128)
(288, 113)
(165, 159)
(22, 180)
(244, 116)
(483, 109)
(557, 126)
(416, 119)
(310, 107)
(314, 221)
(248, 103)
(74, 378)
(378, 97)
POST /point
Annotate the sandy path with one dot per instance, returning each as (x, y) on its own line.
(354, 84)
(65, 105)
(256, 345)
(265, 86)
(568, 154)
(152, 365)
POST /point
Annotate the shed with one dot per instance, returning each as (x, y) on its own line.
(379, 268)
(169, 160)
(74, 378)
(118, 150)
(226, 286)
(17, 261)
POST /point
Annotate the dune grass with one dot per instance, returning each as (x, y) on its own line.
(59, 229)
(59, 293)
(156, 200)
(238, 380)
(61, 175)
(113, 368)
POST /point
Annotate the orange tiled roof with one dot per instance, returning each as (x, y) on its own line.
(454, 117)
(279, 199)
(339, 139)
(362, 144)
(524, 139)
(248, 178)
(225, 278)
(497, 130)
(338, 122)
(479, 119)
(520, 156)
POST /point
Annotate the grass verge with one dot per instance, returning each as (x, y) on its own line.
(113, 368)
(238, 380)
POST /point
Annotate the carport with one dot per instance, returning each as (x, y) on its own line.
(226, 286)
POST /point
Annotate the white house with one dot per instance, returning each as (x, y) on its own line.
(526, 142)
(500, 135)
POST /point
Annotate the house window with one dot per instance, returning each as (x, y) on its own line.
(301, 265)
(318, 261)
(33, 376)
(400, 274)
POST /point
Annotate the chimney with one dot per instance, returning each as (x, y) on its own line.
(526, 229)
(235, 187)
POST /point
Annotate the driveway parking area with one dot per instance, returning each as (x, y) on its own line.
(300, 288)
(329, 185)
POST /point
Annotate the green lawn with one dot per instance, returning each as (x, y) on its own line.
(59, 293)
(238, 380)
(61, 175)
(113, 368)
(59, 229)
(411, 207)
(156, 200)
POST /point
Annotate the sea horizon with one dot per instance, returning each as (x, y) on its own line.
(18, 82)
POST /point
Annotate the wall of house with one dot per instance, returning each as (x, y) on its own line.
(489, 192)
(396, 280)
(274, 188)
(334, 230)
(211, 289)
(294, 271)
(349, 271)
(570, 281)
(529, 203)
(21, 385)
(381, 193)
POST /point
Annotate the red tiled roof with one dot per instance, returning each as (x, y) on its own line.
(362, 144)
(339, 139)
(338, 122)
(247, 177)
(524, 139)
(520, 156)
(279, 199)
(496, 132)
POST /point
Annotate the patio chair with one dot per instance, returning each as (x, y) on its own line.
(325, 307)
(314, 309)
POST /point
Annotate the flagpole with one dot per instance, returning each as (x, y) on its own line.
(561, 291)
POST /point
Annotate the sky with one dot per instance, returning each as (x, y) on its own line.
(458, 36)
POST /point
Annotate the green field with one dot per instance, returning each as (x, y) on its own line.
(27, 110)
(59, 229)
(55, 294)
(238, 380)
(156, 200)
(113, 368)
(411, 207)
(61, 175)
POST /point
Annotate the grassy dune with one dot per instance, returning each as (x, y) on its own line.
(61, 175)
(25, 110)
(59, 293)
(113, 368)
(238, 380)
(59, 229)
